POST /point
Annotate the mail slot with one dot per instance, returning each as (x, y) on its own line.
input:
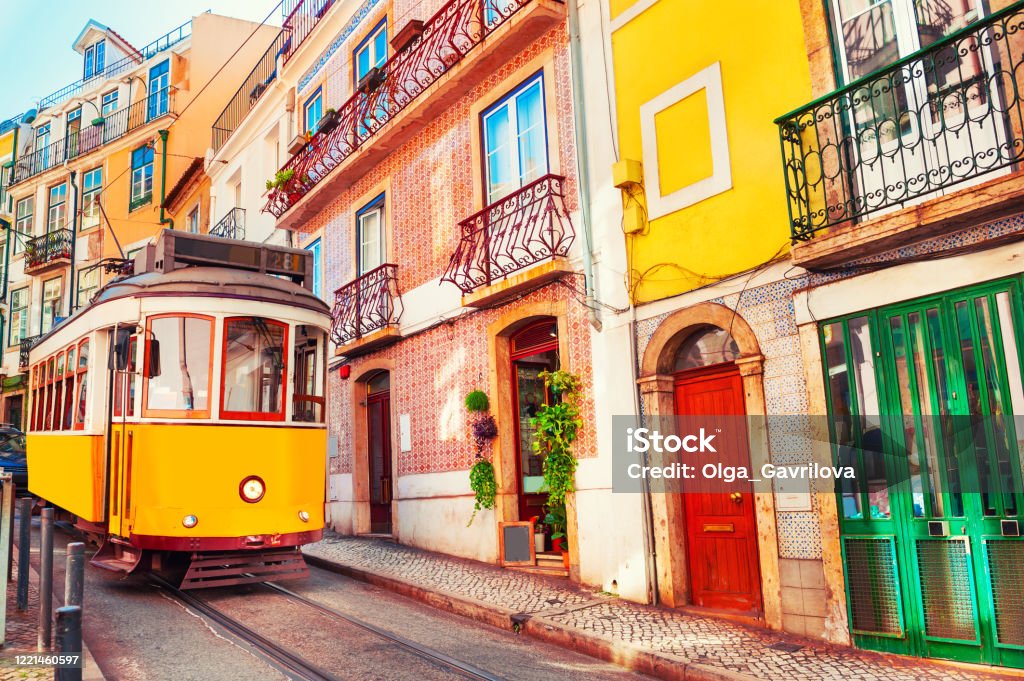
(723, 527)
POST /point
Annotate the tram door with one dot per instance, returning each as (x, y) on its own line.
(121, 444)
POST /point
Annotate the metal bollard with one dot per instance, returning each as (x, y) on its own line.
(24, 550)
(74, 576)
(69, 641)
(45, 581)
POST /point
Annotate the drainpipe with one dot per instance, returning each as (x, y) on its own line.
(582, 159)
(74, 242)
(163, 178)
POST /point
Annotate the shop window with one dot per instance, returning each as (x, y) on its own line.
(178, 357)
(253, 381)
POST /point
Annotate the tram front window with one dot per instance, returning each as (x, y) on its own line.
(182, 383)
(254, 368)
(308, 390)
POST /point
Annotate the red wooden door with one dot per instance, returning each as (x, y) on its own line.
(721, 532)
(378, 415)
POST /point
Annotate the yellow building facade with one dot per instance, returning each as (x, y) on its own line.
(696, 87)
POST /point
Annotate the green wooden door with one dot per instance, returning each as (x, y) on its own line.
(922, 397)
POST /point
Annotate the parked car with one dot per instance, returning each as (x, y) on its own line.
(12, 456)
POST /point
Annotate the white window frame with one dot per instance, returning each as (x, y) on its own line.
(508, 103)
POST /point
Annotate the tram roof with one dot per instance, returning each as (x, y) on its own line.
(220, 282)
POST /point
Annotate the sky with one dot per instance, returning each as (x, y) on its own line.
(36, 37)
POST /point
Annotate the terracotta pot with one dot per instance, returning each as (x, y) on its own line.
(565, 559)
(556, 544)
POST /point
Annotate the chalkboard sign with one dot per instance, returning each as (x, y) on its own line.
(515, 542)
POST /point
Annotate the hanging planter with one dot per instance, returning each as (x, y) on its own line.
(484, 429)
(328, 122)
(98, 121)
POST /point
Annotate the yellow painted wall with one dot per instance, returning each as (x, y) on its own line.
(6, 145)
(760, 46)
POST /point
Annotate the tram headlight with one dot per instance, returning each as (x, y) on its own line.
(190, 521)
(252, 489)
(304, 516)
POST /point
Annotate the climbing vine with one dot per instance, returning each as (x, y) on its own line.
(557, 425)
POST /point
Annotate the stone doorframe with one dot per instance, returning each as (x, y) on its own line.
(503, 448)
(657, 388)
(360, 450)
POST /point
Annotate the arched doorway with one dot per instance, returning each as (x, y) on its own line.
(378, 449)
(720, 524)
(660, 366)
(533, 350)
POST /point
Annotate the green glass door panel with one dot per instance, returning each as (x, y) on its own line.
(948, 372)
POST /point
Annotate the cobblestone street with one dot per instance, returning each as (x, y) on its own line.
(21, 629)
(676, 636)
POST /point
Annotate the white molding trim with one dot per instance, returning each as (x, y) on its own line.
(659, 205)
(630, 13)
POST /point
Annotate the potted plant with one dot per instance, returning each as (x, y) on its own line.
(98, 121)
(281, 178)
(557, 425)
(555, 519)
(484, 429)
(370, 80)
(328, 122)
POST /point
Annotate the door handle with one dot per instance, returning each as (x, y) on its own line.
(736, 497)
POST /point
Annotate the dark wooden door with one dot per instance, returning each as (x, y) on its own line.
(378, 428)
(721, 532)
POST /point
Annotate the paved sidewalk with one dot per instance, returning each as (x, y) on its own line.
(659, 641)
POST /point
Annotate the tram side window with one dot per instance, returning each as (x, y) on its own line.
(67, 410)
(181, 384)
(124, 387)
(308, 388)
(254, 369)
(83, 381)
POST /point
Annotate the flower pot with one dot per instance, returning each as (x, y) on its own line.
(295, 146)
(565, 559)
(556, 544)
(98, 121)
(328, 122)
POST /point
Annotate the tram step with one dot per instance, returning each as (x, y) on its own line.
(116, 556)
(225, 569)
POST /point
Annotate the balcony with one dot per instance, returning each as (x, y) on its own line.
(245, 98)
(79, 143)
(514, 244)
(25, 348)
(458, 47)
(164, 42)
(231, 226)
(300, 22)
(883, 161)
(365, 314)
(48, 251)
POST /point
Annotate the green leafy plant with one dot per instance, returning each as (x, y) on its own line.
(483, 428)
(555, 519)
(281, 178)
(484, 486)
(557, 426)
(477, 401)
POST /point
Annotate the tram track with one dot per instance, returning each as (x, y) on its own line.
(292, 663)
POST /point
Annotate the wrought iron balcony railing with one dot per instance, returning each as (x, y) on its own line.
(458, 27)
(24, 349)
(245, 98)
(301, 20)
(231, 226)
(166, 41)
(365, 305)
(520, 230)
(115, 126)
(949, 113)
(42, 250)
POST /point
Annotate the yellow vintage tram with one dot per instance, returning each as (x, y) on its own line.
(180, 415)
